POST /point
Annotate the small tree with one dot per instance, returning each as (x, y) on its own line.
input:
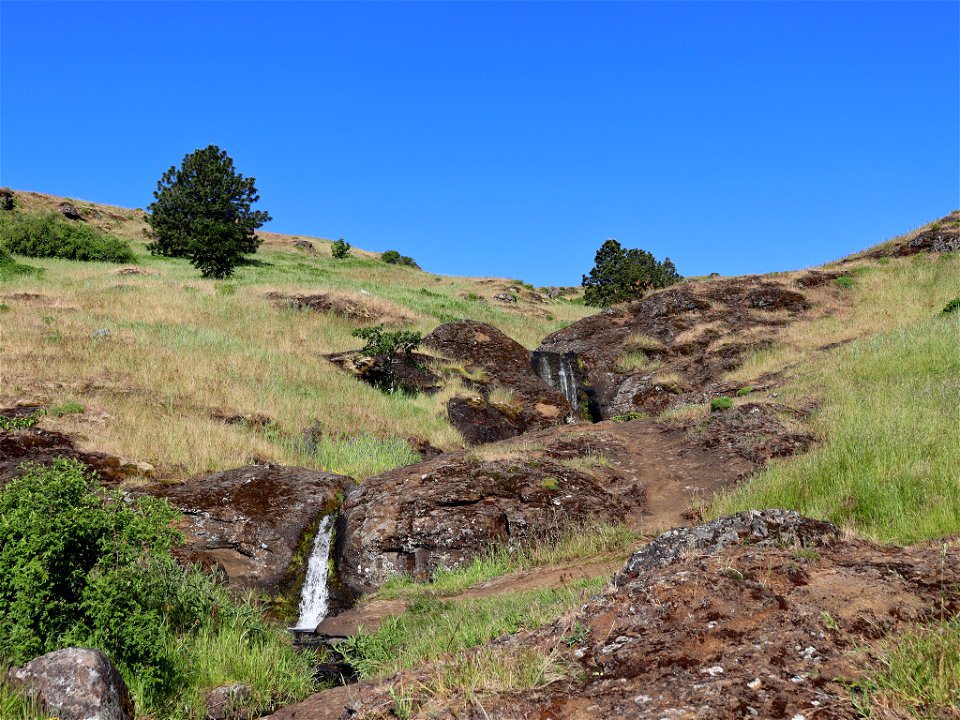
(380, 342)
(340, 249)
(392, 257)
(622, 274)
(203, 211)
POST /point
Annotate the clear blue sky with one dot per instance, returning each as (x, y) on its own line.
(508, 138)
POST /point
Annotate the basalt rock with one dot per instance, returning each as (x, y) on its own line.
(502, 362)
(688, 337)
(410, 373)
(762, 614)
(34, 445)
(70, 211)
(250, 521)
(443, 513)
(75, 684)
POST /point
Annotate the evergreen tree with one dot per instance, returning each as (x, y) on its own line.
(203, 212)
(621, 274)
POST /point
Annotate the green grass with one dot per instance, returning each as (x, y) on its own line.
(887, 465)
(919, 673)
(431, 628)
(582, 544)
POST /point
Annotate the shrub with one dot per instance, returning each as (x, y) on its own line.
(845, 281)
(392, 257)
(620, 274)
(10, 268)
(381, 342)
(720, 403)
(952, 306)
(744, 391)
(20, 423)
(82, 565)
(627, 417)
(50, 236)
(203, 211)
(340, 249)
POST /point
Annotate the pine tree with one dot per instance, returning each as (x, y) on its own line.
(622, 274)
(203, 212)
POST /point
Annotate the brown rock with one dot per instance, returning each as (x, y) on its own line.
(249, 521)
(483, 349)
(69, 211)
(229, 702)
(76, 684)
(43, 447)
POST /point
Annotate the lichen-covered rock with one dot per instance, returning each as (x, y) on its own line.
(75, 684)
(229, 702)
(675, 345)
(249, 521)
(758, 527)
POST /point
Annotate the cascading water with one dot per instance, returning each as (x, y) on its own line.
(314, 597)
(559, 371)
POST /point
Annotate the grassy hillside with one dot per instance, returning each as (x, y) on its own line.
(179, 349)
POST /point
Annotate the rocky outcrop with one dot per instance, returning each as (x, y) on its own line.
(251, 520)
(939, 237)
(402, 372)
(34, 445)
(761, 528)
(444, 513)
(671, 347)
(494, 360)
(761, 614)
(75, 684)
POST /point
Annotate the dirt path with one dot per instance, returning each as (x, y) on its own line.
(368, 615)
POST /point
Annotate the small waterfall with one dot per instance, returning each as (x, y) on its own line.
(313, 599)
(559, 370)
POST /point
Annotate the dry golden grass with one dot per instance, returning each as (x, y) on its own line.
(513, 451)
(180, 347)
(884, 296)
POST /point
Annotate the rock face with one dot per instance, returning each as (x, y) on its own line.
(443, 513)
(76, 684)
(44, 446)
(672, 346)
(761, 614)
(500, 362)
(250, 520)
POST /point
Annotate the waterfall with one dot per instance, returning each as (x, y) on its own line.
(559, 371)
(313, 599)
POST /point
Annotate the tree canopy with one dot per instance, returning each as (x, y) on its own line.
(203, 212)
(621, 274)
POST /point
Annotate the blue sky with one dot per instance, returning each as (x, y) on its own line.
(504, 138)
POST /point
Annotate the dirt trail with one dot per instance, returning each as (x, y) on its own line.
(368, 615)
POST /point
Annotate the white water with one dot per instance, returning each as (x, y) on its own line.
(313, 599)
(564, 380)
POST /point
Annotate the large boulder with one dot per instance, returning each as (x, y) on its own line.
(493, 360)
(445, 512)
(75, 684)
(250, 521)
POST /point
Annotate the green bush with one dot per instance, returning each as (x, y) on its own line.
(744, 391)
(50, 236)
(845, 281)
(952, 306)
(340, 249)
(10, 268)
(20, 423)
(392, 257)
(83, 565)
(720, 403)
(381, 342)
